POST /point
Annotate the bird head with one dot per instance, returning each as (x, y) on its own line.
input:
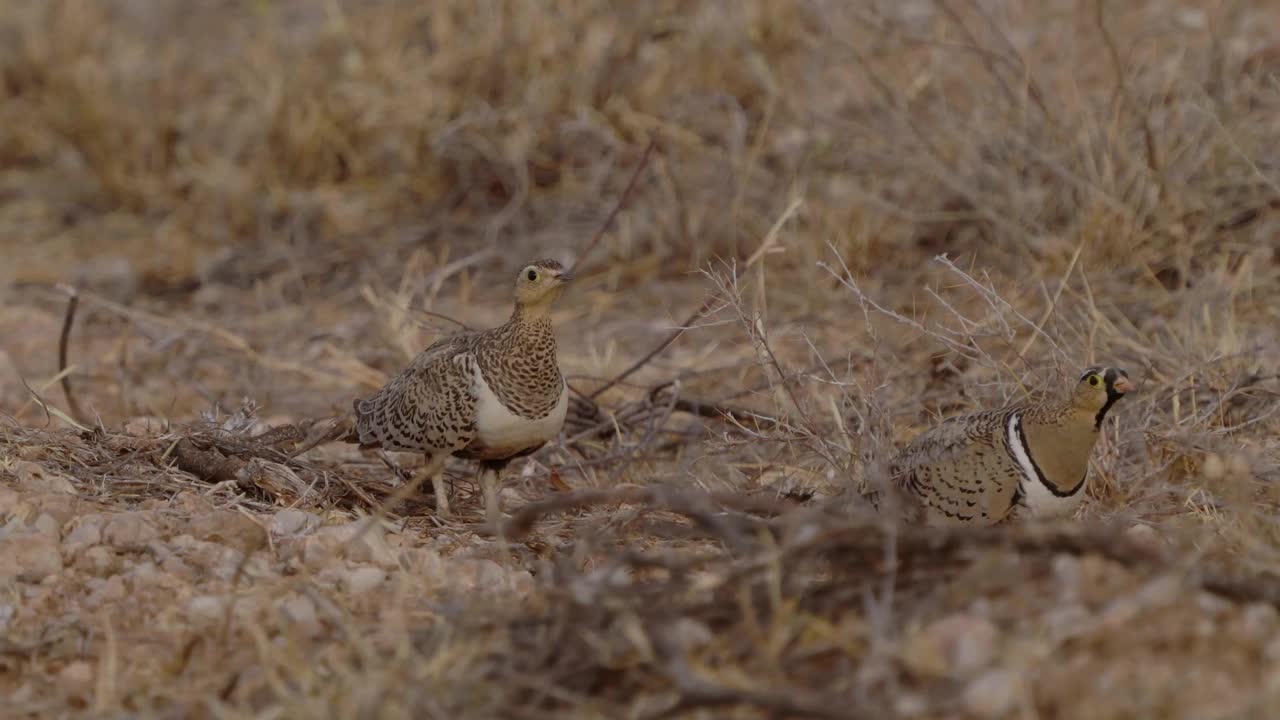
(540, 283)
(1098, 389)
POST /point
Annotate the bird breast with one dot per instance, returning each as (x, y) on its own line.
(1041, 499)
(500, 432)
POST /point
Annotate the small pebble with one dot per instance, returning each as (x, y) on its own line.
(292, 522)
(1212, 604)
(206, 610)
(9, 501)
(1066, 568)
(99, 560)
(1144, 534)
(84, 535)
(909, 704)
(77, 674)
(41, 480)
(1272, 649)
(484, 575)
(301, 611)
(364, 579)
(959, 644)
(1258, 619)
(228, 528)
(129, 530)
(30, 557)
(993, 693)
(46, 524)
(1191, 18)
(353, 542)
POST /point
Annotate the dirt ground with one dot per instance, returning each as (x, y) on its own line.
(836, 222)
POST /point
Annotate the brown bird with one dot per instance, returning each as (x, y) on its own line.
(491, 395)
(1026, 459)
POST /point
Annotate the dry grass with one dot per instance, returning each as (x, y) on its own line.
(889, 211)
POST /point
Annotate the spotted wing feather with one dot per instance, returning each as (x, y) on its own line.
(961, 471)
(429, 407)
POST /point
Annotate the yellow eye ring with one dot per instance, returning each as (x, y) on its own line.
(1093, 380)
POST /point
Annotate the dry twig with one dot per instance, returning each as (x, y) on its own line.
(68, 319)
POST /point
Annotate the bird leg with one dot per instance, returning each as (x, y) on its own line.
(490, 472)
(435, 470)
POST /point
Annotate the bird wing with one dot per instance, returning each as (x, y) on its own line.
(961, 469)
(430, 406)
(947, 440)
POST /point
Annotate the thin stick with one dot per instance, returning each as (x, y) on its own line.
(1125, 94)
(622, 199)
(666, 343)
(440, 316)
(73, 301)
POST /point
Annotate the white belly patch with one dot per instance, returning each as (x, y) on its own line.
(500, 430)
(1040, 500)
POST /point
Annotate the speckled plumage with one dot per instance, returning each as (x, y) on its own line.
(490, 395)
(1028, 458)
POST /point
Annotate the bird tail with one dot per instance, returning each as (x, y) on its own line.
(358, 432)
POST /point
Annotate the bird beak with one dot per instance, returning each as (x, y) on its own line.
(1122, 385)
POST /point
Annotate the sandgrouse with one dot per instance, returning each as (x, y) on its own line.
(1021, 460)
(491, 395)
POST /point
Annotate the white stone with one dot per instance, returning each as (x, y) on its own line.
(1159, 592)
(84, 535)
(484, 575)
(292, 522)
(41, 480)
(993, 693)
(45, 524)
(99, 560)
(144, 573)
(1144, 534)
(1191, 18)
(353, 542)
(225, 562)
(909, 704)
(363, 579)
(1212, 604)
(1067, 569)
(9, 501)
(959, 644)
(129, 530)
(301, 611)
(1258, 619)
(175, 567)
(1067, 621)
(77, 674)
(206, 610)
(113, 589)
(687, 634)
(1272, 649)
(30, 557)
(424, 562)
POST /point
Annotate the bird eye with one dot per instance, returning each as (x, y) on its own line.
(1093, 380)
(533, 274)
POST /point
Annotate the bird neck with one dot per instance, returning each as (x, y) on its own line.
(1060, 439)
(530, 330)
(520, 364)
(1101, 415)
(531, 313)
